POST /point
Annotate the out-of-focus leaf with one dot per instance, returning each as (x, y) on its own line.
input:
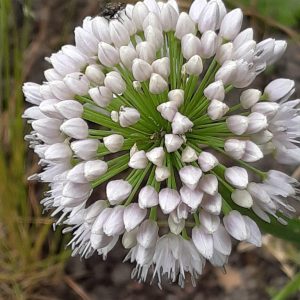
(285, 12)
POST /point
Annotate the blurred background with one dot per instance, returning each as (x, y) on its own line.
(34, 263)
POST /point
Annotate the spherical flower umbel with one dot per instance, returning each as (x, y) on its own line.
(140, 108)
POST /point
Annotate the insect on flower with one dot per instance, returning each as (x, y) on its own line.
(112, 10)
(151, 85)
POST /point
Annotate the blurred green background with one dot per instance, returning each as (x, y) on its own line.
(34, 263)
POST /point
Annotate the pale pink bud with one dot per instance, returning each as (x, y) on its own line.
(128, 116)
(173, 142)
(101, 95)
(141, 70)
(133, 216)
(242, 198)
(162, 173)
(209, 184)
(148, 197)
(115, 82)
(237, 124)
(181, 124)
(117, 191)
(114, 142)
(168, 200)
(76, 128)
(192, 198)
(231, 24)
(237, 177)
(190, 176)
(184, 25)
(108, 55)
(215, 91)
(250, 97)
(138, 160)
(207, 161)
(156, 156)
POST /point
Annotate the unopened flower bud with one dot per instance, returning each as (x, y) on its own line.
(58, 152)
(162, 173)
(243, 37)
(173, 142)
(176, 96)
(152, 20)
(210, 17)
(168, 200)
(95, 74)
(215, 91)
(141, 70)
(231, 24)
(169, 17)
(114, 116)
(76, 128)
(242, 198)
(235, 148)
(115, 82)
(146, 51)
(196, 8)
(148, 197)
(138, 160)
(252, 152)
(108, 55)
(190, 46)
(94, 169)
(237, 124)
(154, 36)
(117, 191)
(269, 109)
(157, 84)
(114, 142)
(237, 176)
(217, 109)
(262, 137)
(184, 25)
(118, 33)
(209, 222)
(209, 184)
(85, 149)
(279, 89)
(127, 56)
(101, 95)
(139, 13)
(128, 116)
(194, 66)
(162, 67)
(257, 123)
(250, 97)
(114, 225)
(188, 155)
(129, 238)
(224, 53)
(147, 234)
(156, 156)
(192, 198)
(203, 241)
(168, 110)
(190, 176)
(209, 44)
(181, 124)
(207, 161)
(133, 216)
(212, 204)
(77, 83)
(227, 73)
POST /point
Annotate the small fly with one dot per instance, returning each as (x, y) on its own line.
(111, 11)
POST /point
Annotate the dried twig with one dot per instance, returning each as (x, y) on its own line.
(76, 288)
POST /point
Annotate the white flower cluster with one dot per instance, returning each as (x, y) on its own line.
(140, 106)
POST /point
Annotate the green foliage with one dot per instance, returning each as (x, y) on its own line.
(285, 12)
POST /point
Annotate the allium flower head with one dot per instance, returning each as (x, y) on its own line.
(140, 107)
